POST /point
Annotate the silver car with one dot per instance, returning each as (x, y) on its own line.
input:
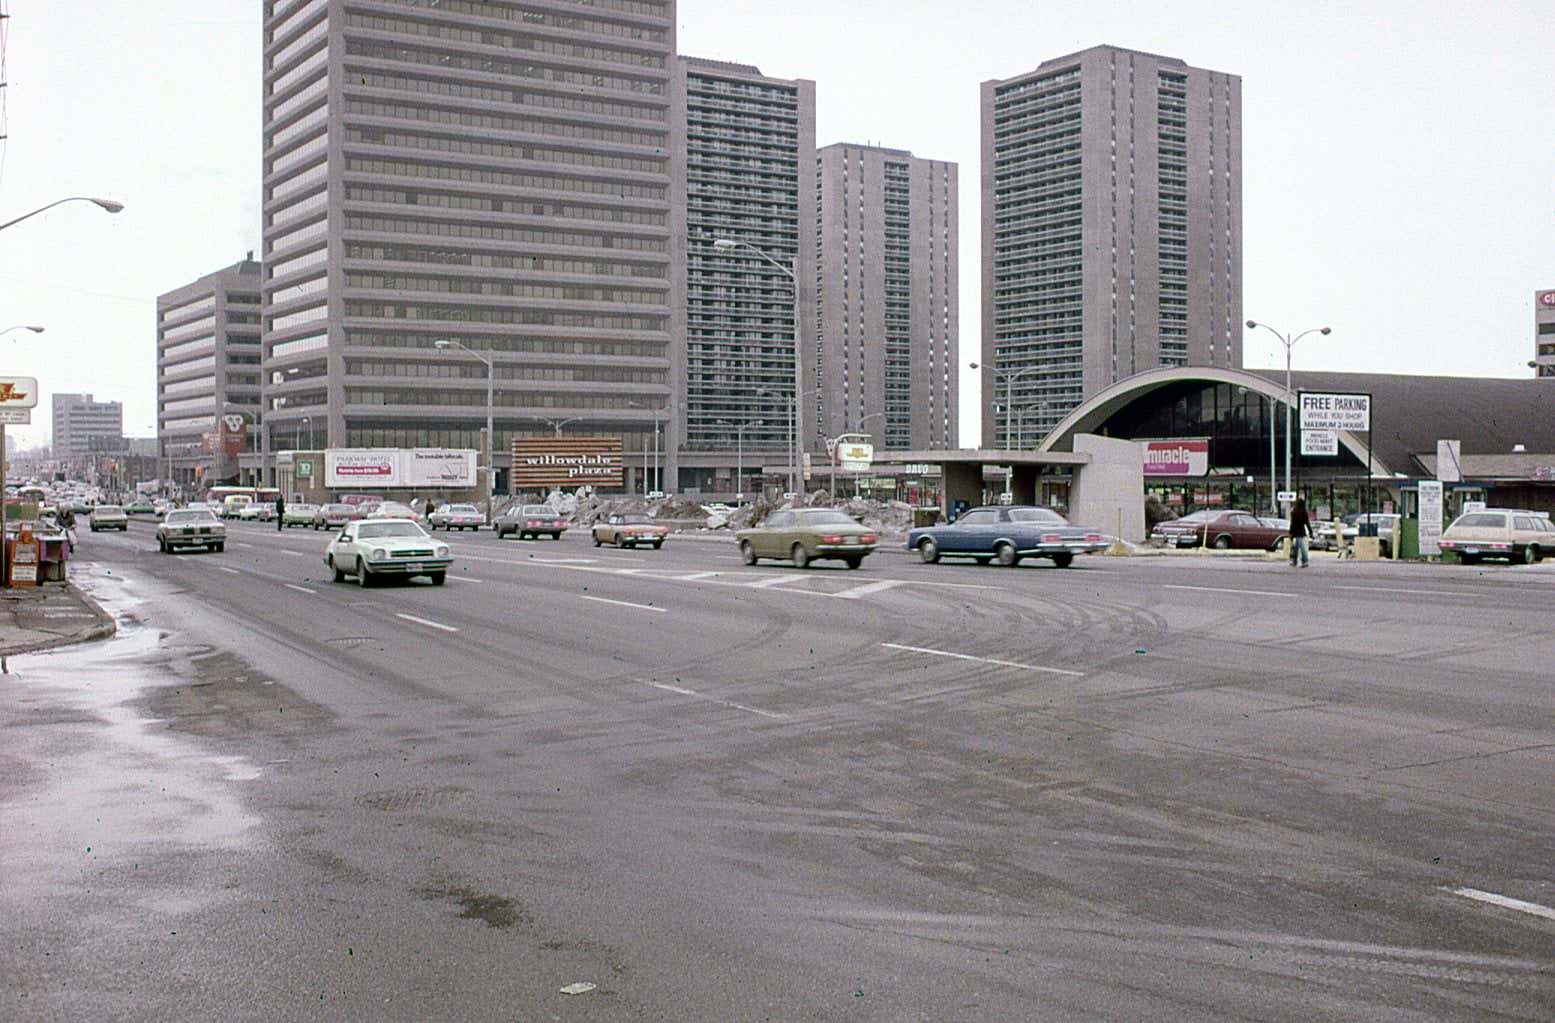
(375, 549)
(109, 516)
(191, 527)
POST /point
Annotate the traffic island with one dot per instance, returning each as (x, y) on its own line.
(49, 616)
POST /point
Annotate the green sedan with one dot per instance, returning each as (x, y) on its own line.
(808, 534)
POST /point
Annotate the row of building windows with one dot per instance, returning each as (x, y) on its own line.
(504, 399)
(503, 261)
(466, 371)
(529, 125)
(505, 40)
(549, 210)
(468, 314)
(492, 65)
(579, 239)
(506, 150)
(547, 346)
(521, 96)
(516, 179)
(530, 16)
(464, 286)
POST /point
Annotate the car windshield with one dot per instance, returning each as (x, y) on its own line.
(1198, 516)
(635, 520)
(827, 518)
(190, 515)
(537, 509)
(1046, 516)
(462, 509)
(338, 509)
(302, 507)
(380, 530)
(392, 508)
(109, 509)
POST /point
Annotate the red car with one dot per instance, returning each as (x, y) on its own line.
(1221, 529)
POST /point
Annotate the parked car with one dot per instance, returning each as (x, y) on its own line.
(630, 531)
(803, 535)
(528, 520)
(191, 527)
(139, 506)
(333, 516)
(1511, 533)
(456, 516)
(304, 515)
(109, 516)
(395, 510)
(373, 549)
(1220, 529)
(257, 511)
(656, 495)
(1325, 538)
(1006, 534)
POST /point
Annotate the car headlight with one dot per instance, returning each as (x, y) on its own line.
(378, 554)
(442, 551)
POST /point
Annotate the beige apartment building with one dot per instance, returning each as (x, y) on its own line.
(1111, 231)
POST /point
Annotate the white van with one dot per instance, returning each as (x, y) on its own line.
(234, 504)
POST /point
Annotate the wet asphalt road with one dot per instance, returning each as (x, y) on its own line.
(1163, 789)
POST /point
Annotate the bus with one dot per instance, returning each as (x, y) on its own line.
(261, 495)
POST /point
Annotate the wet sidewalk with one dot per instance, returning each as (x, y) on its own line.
(43, 617)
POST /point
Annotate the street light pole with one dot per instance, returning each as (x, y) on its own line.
(792, 274)
(491, 435)
(1009, 379)
(108, 204)
(1290, 342)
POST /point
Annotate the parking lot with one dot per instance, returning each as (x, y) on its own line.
(1183, 786)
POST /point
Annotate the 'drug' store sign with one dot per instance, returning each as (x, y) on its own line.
(1176, 457)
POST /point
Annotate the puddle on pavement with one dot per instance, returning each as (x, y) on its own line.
(89, 780)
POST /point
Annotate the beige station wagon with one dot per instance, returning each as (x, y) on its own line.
(1509, 533)
(804, 535)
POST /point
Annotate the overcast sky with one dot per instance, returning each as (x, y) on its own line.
(1398, 161)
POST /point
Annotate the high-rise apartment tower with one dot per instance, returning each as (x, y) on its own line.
(77, 419)
(886, 344)
(748, 179)
(1111, 231)
(207, 365)
(491, 174)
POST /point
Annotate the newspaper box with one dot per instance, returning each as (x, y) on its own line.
(22, 560)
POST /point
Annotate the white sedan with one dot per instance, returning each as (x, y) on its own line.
(373, 549)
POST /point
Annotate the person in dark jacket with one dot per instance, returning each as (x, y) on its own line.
(280, 513)
(1300, 530)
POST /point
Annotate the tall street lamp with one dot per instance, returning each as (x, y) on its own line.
(794, 428)
(108, 204)
(1009, 377)
(443, 344)
(739, 454)
(793, 456)
(39, 330)
(1289, 341)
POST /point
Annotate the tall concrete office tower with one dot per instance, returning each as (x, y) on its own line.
(492, 174)
(207, 364)
(887, 341)
(1111, 230)
(748, 178)
(78, 419)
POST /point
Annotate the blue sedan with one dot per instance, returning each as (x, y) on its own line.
(1005, 534)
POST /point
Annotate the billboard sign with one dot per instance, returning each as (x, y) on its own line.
(855, 456)
(543, 462)
(1322, 411)
(1319, 442)
(361, 467)
(1176, 457)
(18, 392)
(234, 433)
(440, 467)
(1547, 299)
(1430, 517)
(15, 416)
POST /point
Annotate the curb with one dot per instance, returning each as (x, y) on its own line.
(103, 628)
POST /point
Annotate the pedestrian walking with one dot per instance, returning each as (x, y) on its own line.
(280, 513)
(1300, 530)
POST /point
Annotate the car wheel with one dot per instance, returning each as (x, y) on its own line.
(220, 547)
(598, 542)
(928, 550)
(340, 576)
(1222, 543)
(1469, 559)
(657, 544)
(1063, 560)
(854, 560)
(162, 546)
(1006, 555)
(362, 577)
(747, 552)
(800, 556)
(1531, 554)
(438, 578)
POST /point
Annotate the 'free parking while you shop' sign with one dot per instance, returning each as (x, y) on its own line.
(1348, 412)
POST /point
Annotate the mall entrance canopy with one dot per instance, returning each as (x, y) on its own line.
(1107, 479)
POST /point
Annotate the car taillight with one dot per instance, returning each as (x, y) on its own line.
(832, 538)
(1051, 538)
(869, 538)
(1093, 537)
(534, 522)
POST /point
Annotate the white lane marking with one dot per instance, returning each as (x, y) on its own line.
(465, 579)
(235, 543)
(564, 561)
(1434, 593)
(699, 575)
(983, 660)
(776, 580)
(714, 699)
(299, 589)
(1227, 589)
(224, 568)
(423, 621)
(295, 554)
(623, 603)
(1491, 898)
(863, 591)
